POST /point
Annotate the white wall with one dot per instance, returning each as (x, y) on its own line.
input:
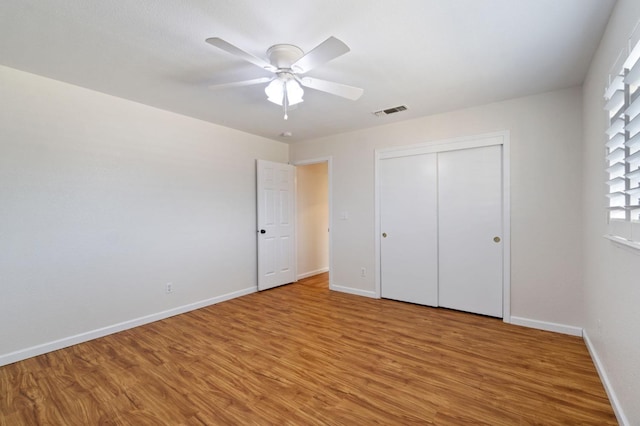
(545, 198)
(103, 201)
(611, 273)
(312, 210)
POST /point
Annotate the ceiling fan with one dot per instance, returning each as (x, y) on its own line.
(288, 63)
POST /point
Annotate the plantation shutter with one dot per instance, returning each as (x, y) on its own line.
(622, 102)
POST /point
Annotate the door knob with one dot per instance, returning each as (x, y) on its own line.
(384, 235)
(496, 239)
(262, 231)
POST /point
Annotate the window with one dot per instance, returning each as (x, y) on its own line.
(622, 97)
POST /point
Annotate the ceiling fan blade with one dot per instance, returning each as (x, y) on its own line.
(338, 89)
(230, 48)
(241, 83)
(329, 49)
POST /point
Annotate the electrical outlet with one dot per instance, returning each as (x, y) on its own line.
(168, 288)
(363, 272)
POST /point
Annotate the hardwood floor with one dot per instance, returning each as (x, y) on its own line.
(300, 354)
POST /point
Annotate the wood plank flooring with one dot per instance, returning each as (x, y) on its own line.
(303, 355)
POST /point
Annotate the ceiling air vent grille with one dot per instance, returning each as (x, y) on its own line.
(388, 111)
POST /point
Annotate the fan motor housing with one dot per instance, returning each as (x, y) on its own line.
(284, 55)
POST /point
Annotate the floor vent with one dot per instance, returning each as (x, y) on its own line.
(388, 111)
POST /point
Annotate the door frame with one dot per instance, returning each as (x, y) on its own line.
(329, 161)
(501, 138)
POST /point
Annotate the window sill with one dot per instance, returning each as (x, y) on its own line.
(624, 242)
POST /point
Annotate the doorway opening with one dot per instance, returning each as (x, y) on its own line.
(313, 219)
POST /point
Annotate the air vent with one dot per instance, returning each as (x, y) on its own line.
(388, 111)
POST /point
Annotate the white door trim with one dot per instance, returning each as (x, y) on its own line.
(488, 139)
(329, 161)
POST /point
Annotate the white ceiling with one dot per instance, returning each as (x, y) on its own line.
(431, 55)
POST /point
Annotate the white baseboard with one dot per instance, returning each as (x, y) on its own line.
(356, 291)
(312, 273)
(547, 326)
(115, 328)
(613, 399)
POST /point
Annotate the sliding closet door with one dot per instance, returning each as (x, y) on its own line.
(409, 227)
(470, 230)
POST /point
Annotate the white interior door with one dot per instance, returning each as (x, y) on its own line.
(408, 221)
(470, 230)
(276, 226)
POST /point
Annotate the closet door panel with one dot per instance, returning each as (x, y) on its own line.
(470, 230)
(409, 227)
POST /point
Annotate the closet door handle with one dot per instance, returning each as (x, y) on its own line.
(496, 239)
(384, 235)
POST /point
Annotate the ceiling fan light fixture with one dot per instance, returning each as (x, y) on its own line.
(284, 91)
(277, 89)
